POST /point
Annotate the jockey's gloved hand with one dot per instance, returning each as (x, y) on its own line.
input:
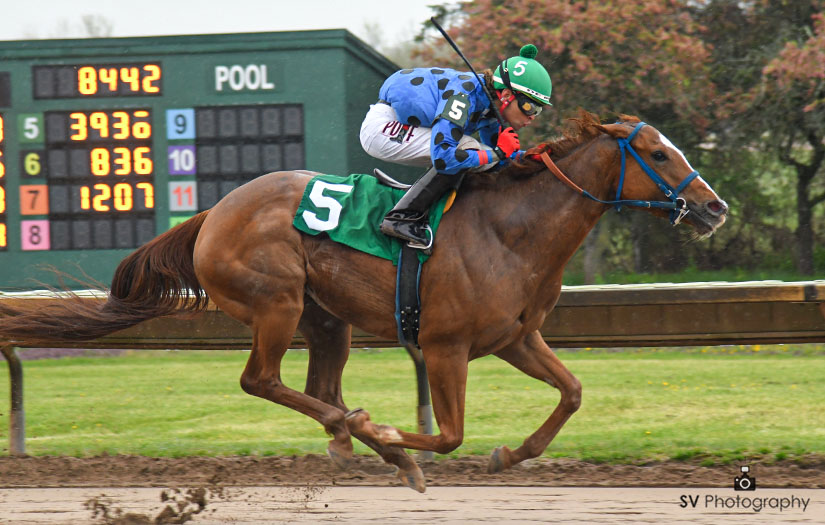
(507, 143)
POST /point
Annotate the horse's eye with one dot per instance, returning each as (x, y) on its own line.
(659, 156)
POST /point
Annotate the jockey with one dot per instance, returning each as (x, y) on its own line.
(426, 116)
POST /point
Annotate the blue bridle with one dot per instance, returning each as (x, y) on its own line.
(676, 204)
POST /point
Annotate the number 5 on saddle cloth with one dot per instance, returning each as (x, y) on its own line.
(348, 210)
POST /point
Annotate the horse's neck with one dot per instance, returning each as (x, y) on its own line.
(555, 219)
(593, 168)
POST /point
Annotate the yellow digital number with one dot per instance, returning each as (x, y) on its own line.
(2, 133)
(87, 80)
(79, 126)
(142, 130)
(2, 199)
(85, 199)
(100, 121)
(123, 158)
(2, 235)
(2, 166)
(154, 74)
(100, 162)
(143, 164)
(131, 76)
(98, 200)
(123, 197)
(109, 76)
(148, 194)
(90, 79)
(121, 124)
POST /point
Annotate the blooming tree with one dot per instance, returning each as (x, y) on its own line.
(641, 57)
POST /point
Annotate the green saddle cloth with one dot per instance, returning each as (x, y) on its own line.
(350, 209)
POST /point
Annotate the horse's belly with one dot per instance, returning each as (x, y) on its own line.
(353, 286)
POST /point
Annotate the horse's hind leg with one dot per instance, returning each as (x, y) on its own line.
(328, 339)
(533, 357)
(272, 333)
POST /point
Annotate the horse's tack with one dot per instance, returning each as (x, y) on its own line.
(677, 205)
(679, 209)
(407, 282)
(407, 302)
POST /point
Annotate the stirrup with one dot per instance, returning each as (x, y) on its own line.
(425, 248)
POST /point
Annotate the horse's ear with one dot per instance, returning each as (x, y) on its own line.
(617, 131)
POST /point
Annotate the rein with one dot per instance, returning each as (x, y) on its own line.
(676, 204)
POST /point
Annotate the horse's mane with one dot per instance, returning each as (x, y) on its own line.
(577, 131)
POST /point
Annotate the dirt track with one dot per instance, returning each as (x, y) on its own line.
(138, 471)
(132, 490)
(453, 505)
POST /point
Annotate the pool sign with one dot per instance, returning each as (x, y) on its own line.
(252, 77)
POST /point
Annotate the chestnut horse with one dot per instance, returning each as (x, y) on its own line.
(495, 273)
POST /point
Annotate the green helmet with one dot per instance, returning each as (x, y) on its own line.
(522, 74)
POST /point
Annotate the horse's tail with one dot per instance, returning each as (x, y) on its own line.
(156, 279)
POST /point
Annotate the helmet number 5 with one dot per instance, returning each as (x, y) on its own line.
(521, 67)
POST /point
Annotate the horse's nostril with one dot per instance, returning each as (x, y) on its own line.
(717, 207)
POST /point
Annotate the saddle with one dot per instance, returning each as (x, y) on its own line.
(386, 180)
(348, 210)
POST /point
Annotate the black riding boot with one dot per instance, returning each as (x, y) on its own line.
(408, 219)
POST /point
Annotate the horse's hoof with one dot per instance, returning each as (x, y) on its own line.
(413, 478)
(499, 460)
(339, 455)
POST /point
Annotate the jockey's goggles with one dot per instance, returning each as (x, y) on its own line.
(527, 105)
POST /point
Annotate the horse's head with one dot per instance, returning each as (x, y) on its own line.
(656, 173)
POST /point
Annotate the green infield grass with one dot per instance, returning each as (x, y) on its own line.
(716, 404)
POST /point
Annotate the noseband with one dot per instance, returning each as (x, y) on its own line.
(677, 205)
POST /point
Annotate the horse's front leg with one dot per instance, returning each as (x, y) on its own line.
(447, 373)
(533, 357)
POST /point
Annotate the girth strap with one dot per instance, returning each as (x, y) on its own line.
(407, 302)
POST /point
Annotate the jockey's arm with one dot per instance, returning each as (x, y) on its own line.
(489, 135)
(448, 158)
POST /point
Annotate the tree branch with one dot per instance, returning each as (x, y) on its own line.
(819, 150)
(785, 152)
(813, 201)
